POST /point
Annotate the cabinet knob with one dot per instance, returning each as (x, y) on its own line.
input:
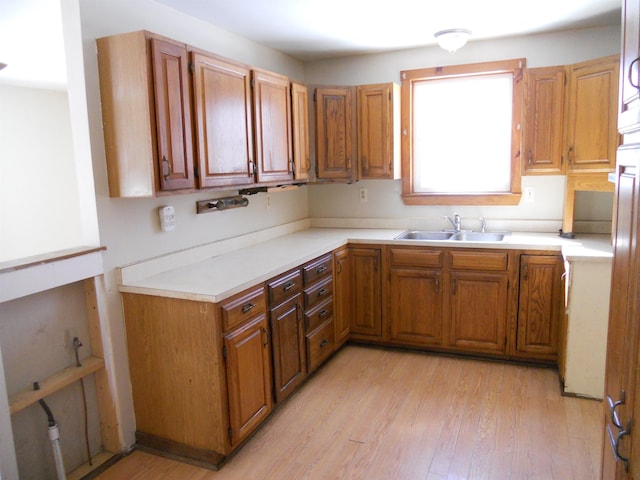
(630, 74)
(324, 343)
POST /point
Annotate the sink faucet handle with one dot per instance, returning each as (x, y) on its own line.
(484, 224)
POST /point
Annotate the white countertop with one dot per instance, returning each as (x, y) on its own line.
(221, 276)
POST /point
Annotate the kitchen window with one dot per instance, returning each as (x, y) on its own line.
(461, 134)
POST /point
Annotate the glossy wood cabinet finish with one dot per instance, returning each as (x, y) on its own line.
(145, 94)
(272, 117)
(300, 131)
(540, 307)
(224, 129)
(621, 378)
(629, 105)
(178, 375)
(318, 310)
(544, 115)
(335, 119)
(287, 333)
(479, 311)
(248, 360)
(591, 136)
(378, 131)
(342, 310)
(416, 296)
(366, 294)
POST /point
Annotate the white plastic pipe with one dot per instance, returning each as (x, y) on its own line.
(54, 436)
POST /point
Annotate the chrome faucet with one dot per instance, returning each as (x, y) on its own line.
(456, 222)
(483, 225)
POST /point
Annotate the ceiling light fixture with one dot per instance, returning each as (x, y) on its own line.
(2, 65)
(452, 39)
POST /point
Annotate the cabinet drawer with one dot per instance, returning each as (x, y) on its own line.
(319, 314)
(284, 287)
(242, 307)
(320, 345)
(317, 269)
(416, 257)
(469, 260)
(318, 292)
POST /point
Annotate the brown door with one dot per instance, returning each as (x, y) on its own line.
(366, 319)
(288, 341)
(173, 115)
(479, 311)
(540, 306)
(222, 99)
(272, 115)
(248, 377)
(624, 328)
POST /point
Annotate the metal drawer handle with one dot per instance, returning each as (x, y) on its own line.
(323, 313)
(615, 444)
(324, 343)
(612, 408)
(322, 291)
(321, 269)
(247, 307)
(166, 167)
(289, 286)
(630, 74)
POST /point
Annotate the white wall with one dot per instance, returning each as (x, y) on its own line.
(129, 228)
(384, 202)
(39, 205)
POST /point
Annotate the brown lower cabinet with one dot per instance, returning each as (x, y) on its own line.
(205, 376)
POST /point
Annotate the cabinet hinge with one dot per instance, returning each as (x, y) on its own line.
(224, 352)
(196, 171)
(314, 95)
(389, 96)
(230, 433)
(192, 67)
(253, 83)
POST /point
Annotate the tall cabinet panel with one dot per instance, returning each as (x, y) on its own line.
(366, 319)
(300, 130)
(629, 108)
(222, 97)
(272, 115)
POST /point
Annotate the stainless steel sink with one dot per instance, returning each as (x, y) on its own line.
(478, 236)
(464, 236)
(424, 235)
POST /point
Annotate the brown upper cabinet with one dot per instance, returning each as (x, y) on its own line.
(227, 126)
(272, 116)
(300, 130)
(335, 118)
(591, 136)
(145, 93)
(544, 108)
(570, 122)
(379, 131)
(224, 130)
(629, 108)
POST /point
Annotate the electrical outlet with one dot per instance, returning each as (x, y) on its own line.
(268, 201)
(363, 195)
(529, 194)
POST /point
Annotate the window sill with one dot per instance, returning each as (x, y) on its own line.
(461, 199)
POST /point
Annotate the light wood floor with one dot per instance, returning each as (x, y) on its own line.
(379, 414)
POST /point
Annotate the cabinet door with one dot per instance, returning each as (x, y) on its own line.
(416, 302)
(624, 324)
(629, 108)
(544, 109)
(272, 115)
(334, 133)
(366, 319)
(288, 341)
(479, 311)
(378, 131)
(591, 132)
(173, 115)
(541, 305)
(342, 299)
(300, 131)
(224, 131)
(248, 377)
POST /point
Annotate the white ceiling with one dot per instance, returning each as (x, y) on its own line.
(314, 29)
(31, 41)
